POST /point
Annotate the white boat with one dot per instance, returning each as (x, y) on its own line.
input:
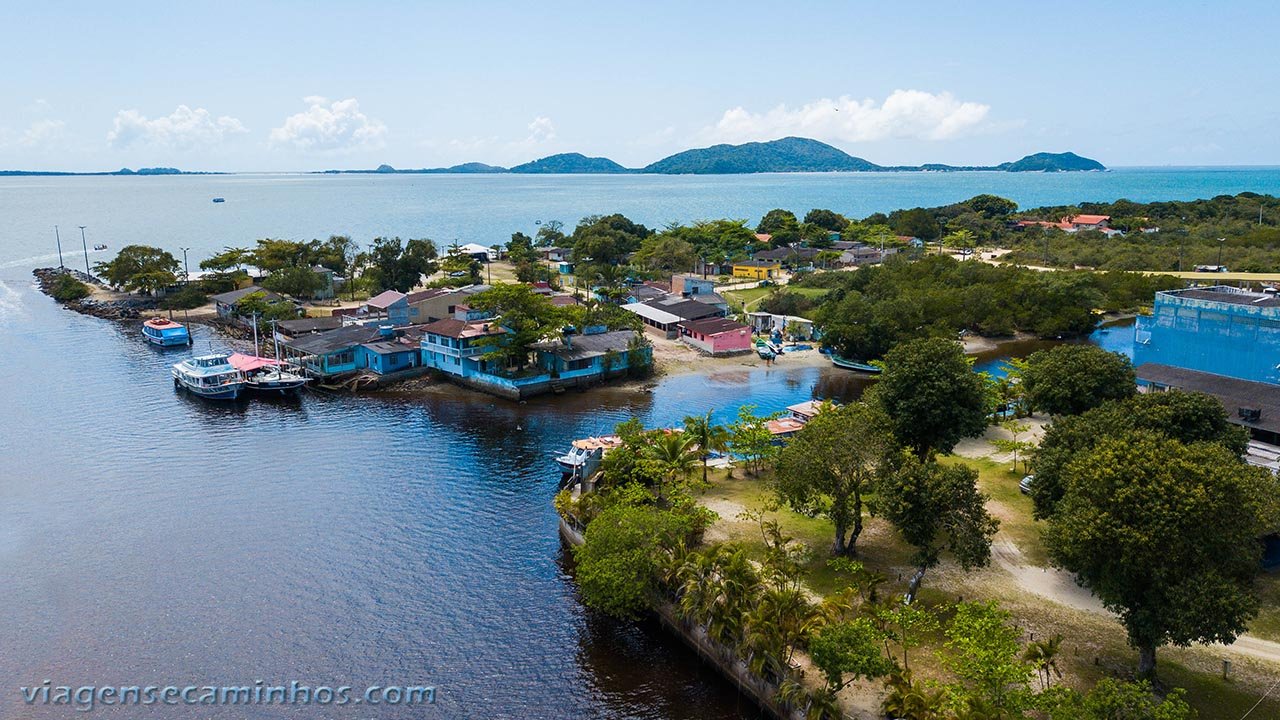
(584, 456)
(210, 376)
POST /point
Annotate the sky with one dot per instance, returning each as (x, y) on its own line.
(297, 86)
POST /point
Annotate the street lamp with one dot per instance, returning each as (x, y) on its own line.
(85, 245)
(186, 270)
(1221, 242)
(58, 238)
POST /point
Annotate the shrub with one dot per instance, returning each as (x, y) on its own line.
(66, 288)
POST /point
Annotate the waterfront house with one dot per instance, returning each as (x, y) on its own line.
(388, 356)
(450, 346)
(757, 269)
(793, 327)
(335, 352)
(1220, 330)
(716, 336)
(391, 304)
(556, 254)
(663, 316)
(226, 303)
(591, 356)
(807, 410)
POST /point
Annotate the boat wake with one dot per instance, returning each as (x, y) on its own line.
(10, 303)
(43, 260)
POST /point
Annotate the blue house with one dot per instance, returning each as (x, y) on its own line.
(1219, 330)
(394, 305)
(351, 349)
(452, 347)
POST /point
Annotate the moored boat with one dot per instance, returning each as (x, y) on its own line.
(267, 376)
(210, 376)
(584, 456)
(853, 365)
(219, 200)
(165, 333)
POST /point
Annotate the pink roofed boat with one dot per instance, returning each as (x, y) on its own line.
(267, 376)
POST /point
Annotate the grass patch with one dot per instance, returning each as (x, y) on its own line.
(1009, 505)
(1267, 624)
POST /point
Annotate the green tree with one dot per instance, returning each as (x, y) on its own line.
(1070, 379)
(300, 282)
(749, 437)
(931, 395)
(1166, 536)
(991, 206)
(230, 258)
(984, 654)
(618, 562)
(782, 225)
(520, 249)
(908, 626)
(526, 316)
(916, 222)
(140, 267)
(272, 254)
(1113, 699)
(665, 253)
(1043, 656)
(398, 265)
(1186, 417)
(829, 466)
(709, 437)
(962, 240)
(675, 455)
(937, 508)
(1012, 444)
(849, 651)
(550, 234)
(826, 219)
(337, 254)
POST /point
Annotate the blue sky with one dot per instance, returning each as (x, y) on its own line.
(315, 85)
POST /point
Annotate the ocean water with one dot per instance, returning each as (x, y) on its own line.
(150, 538)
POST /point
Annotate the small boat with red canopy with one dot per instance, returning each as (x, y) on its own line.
(165, 333)
(267, 376)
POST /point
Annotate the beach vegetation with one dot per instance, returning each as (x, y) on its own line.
(140, 268)
(66, 288)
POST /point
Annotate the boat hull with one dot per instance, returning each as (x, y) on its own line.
(169, 341)
(856, 366)
(222, 392)
(275, 387)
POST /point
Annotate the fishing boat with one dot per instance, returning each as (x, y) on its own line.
(584, 456)
(852, 365)
(765, 353)
(219, 200)
(165, 333)
(210, 376)
(266, 376)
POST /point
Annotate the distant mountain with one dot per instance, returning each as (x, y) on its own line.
(1052, 162)
(790, 154)
(570, 163)
(121, 171)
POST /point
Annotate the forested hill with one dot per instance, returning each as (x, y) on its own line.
(566, 163)
(790, 154)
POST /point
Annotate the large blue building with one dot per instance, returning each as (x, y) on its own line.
(1219, 330)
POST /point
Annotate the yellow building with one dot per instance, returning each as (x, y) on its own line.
(757, 269)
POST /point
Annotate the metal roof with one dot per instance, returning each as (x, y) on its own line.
(1233, 393)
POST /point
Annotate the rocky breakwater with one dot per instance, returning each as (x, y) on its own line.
(110, 308)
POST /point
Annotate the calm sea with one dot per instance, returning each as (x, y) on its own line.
(149, 538)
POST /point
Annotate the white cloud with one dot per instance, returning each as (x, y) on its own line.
(183, 128)
(330, 126)
(41, 132)
(541, 130)
(912, 114)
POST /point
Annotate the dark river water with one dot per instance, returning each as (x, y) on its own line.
(148, 538)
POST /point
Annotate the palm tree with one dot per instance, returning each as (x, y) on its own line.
(708, 436)
(675, 453)
(908, 699)
(1043, 656)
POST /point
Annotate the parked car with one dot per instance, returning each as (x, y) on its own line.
(1025, 484)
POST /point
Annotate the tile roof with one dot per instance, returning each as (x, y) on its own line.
(449, 327)
(385, 299)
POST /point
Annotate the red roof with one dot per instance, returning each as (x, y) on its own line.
(1090, 219)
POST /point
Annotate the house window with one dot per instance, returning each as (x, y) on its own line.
(346, 357)
(582, 364)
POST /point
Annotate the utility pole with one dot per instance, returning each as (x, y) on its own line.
(186, 270)
(85, 245)
(1221, 242)
(58, 238)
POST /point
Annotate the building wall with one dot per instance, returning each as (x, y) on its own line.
(725, 343)
(1234, 340)
(755, 273)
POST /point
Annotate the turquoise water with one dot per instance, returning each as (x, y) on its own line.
(175, 212)
(147, 537)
